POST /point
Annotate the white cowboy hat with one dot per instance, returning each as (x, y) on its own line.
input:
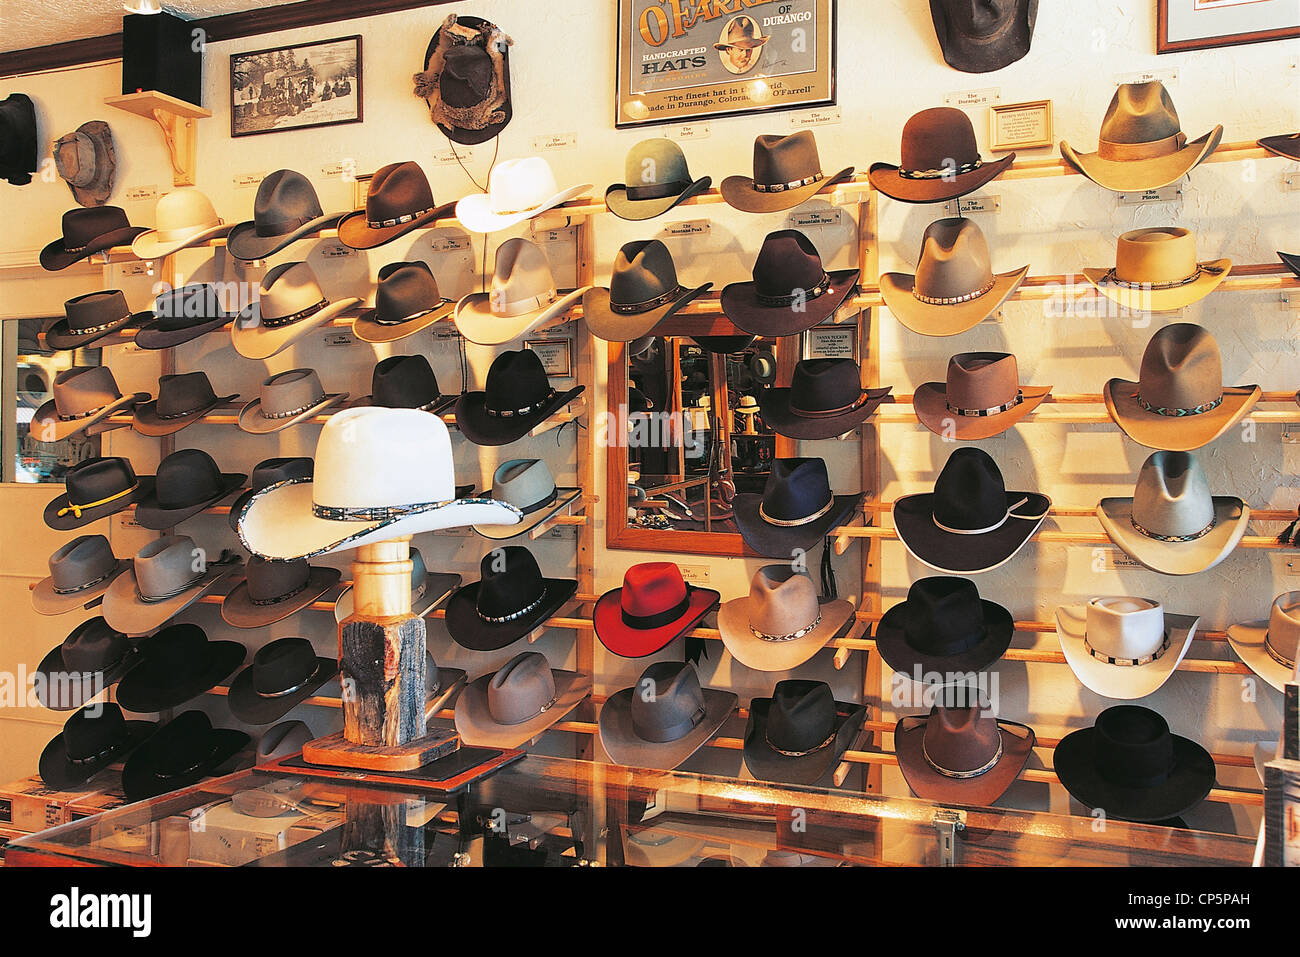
(1269, 647)
(185, 217)
(290, 304)
(1123, 647)
(518, 189)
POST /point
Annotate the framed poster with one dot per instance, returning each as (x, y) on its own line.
(1203, 24)
(296, 87)
(679, 61)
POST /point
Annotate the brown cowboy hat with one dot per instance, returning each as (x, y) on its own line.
(1286, 145)
(982, 397)
(787, 171)
(399, 200)
(940, 160)
(962, 755)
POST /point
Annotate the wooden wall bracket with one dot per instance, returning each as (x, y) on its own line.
(176, 119)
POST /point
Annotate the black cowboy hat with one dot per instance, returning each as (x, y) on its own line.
(943, 626)
(796, 510)
(517, 397)
(96, 488)
(405, 382)
(800, 734)
(283, 673)
(286, 209)
(183, 314)
(180, 664)
(91, 659)
(91, 740)
(81, 571)
(269, 472)
(791, 290)
(510, 599)
(86, 232)
(407, 300)
(188, 481)
(825, 399)
(179, 754)
(183, 399)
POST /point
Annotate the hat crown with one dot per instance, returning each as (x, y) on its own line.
(74, 158)
(184, 392)
(187, 477)
(93, 647)
(404, 382)
(522, 689)
(178, 652)
(466, 77)
(509, 582)
(282, 665)
(943, 615)
(406, 290)
(1284, 625)
(954, 260)
(523, 482)
(284, 739)
(520, 185)
(291, 391)
(970, 494)
(83, 225)
(788, 263)
(785, 159)
(652, 588)
(285, 200)
(96, 479)
(825, 385)
(288, 289)
(1140, 113)
(1126, 628)
(187, 306)
(643, 272)
(1156, 255)
(782, 601)
(399, 189)
(521, 277)
(273, 581)
(94, 730)
(183, 745)
(168, 566)
(655, 162)
(667, 701)
(801, 716)
(961, 739)
(85, 559)
(84, 389)
(269, 471)
(85, 313)
(981, 18)
(982, 380)
(938, 138)
(516, 380)
(413, 445)
(1181, 368)
(796, 489)
(1172, 496)
(183, 210)
(1134, 747)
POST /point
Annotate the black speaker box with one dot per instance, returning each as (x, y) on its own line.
(160, 52)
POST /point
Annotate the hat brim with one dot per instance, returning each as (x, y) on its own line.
(151, 515)
(54, 257)
(470, 631)
(983, 790)
(1136, 176)
(476, 322)
(932, 320)
(148, 246)
(767, 764)
(151, 336)
(1123, 682)
(251, 708)
(1231, 516)
(477, 728)
(778, 541)
(636, 210)
(252, 421)
(146, 420)
(739, 193)
(499, 533)
(153, 688)
(604, 323)
(724, 345)
(356, 234)
(277, 523)
(760, 655)
(256, 341)
(58, 336)
(777, 414)
(140, 778)
(1248, 640)
(1138, 299)
(889, 181)
(243, 242)
(62, 690)
(1181, 433)
(67, 522)
(624, 746)
(475, 214)
(437, 586)
(126, 612)
(238, 609)
(46, 426)
(1187, 785)
(439, 404)
(365, 328)
(60, 773)
(959, 554)
(627, 642)
(46, 601)
(891, 642)
(1291, 261)
(739, 302)
(1286, 145)
(483, 429)
(930, 402)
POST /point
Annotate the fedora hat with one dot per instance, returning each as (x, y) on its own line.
(349, 502)
(943, 626)
(1141, 145)
(787, 172)
(399, 200)
(1269, 647)
(183, 399)
(184, 217)
(86, 232)
(970, 523)
(980, 36)
(87, 161)
(781, 623)
(1172, 524)
(1179, 401)
(518, 190)
(961, 755)
(286, 399)
(652, 607)
(273, 591)
(405, 382)
(285, 210)
(290, 304)
(92, 739)
(1286, 145)
(81, 396)
(90, 660)
(796, 510)
(17, 139)
(800, 734)
(407, 300)
(183, 314)
(168, 575)
(269, 472)
(1129, 764)
(91, 317)
(179, 663)
(521, 298)
(282, 740)
(664, 718)
(428, 589)
(509, 600)
(940, 160)
(516, 398)
(1123, 647)
(643, 292)
(825, 398)
(1156, 271)
(466, 79)
(179, 754)
(656, 180)
(528, 486)
(980, 398)
(188, 481)
(954, 287)
(509, 707)
(791, 290)
(95, 488)
(284, 673)
(80, 571)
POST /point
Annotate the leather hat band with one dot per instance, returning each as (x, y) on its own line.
(73, 416)
(860, 401)
(1125, 152)
(85, 585)
(800, 754)
(823, 284)
(794, 523)
(1277, 656)
(290, 413)
(511, 413)
(296, 317)
(97, 758)
(515, 615)
(1173, 538)
(634, 308)
(1112, 279)
(280, 598)
(540, 503)
(806, 630)
(399, 220)
(657, 190)
(102, 327)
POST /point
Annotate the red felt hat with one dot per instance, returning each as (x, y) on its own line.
(654, 606)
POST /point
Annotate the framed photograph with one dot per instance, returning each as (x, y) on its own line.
(296, 87)
(1204, 24)
(1020, 126)
(679, 62)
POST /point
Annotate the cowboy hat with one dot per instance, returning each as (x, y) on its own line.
(80, 571)
(283, 674)
(269, 472)
(87, 161)
(91, 740)
(1269, 647)
(656, 180)
(517, 398)
(800, 734)
(183, 314)
(961, 755)
(95, 488)
(528, 486)
(285, 210)
(398, 200)
(282, 740)
(81, 397)
(1156, 271)
(86, 232)
(428, 589)
(780, 624)
(518, 190)
(179, 663)
(273, 591)
(184, 217)
(167, 576)
(91, 317)
(521, 298)
(349, 502)
(17, 139)
(1286, 145)
(1179, 401)
(405, 382)
(981, 397)
(791, 290)
(954, 287)
(787, 172)
(286, 399)
(940, 160)
(511, 706)
(1129, 764)
(290, 304)
(1141, 145)
(652, 607)
(466, 79)
(797, 508)
(825, 398)
(407, 300)
(91, 659)
(509, 600)
(183, 399)
(985, 36)
(643, 293)
(179, 754)
(1123, 647)
(664, 718)
(1172, 524)
(943, 626)
(188, 481)
(743, 32)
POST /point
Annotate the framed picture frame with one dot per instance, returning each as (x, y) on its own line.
(296, 87)
(1020, 126)
(673, 67)
(556, 356)
(1206, 24)
(838, 341)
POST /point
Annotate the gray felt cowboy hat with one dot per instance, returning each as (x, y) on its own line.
(80, 571)
(168, 575)
(787, 171)
(656, 180)
(273, 591)
(513, 705)
(82, 396)
(1269, 647)
(526, 484)
(286, 399)
(664, 718)
(643, 293)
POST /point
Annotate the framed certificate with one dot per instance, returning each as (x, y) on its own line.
(1020, 126)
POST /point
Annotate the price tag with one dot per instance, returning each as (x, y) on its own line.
(555, 141)
(688, 227)
(825, 116)
(141, 194)
(963, 99)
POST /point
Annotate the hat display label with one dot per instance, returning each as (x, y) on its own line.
(825, 116)
(247, 180)
(1290, 182)
(342, 338)
(805, 219)
(689, 131)
(966, 98)
(140, 194)
(556, 355)
(448, 242)
(695, 574)
(832, 342)
(334, 250)
(555, 141)
(688, 227)
(972, 204)
(1167, 77)
(461, 154)
(1166, 194)
(1014, 126)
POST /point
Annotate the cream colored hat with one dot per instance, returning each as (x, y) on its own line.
(1156, 271)
(290, 304)
(1123, 647)
(184, 217)
(523, 296)
(780, 624)
(518, 190)
(1269, 647)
